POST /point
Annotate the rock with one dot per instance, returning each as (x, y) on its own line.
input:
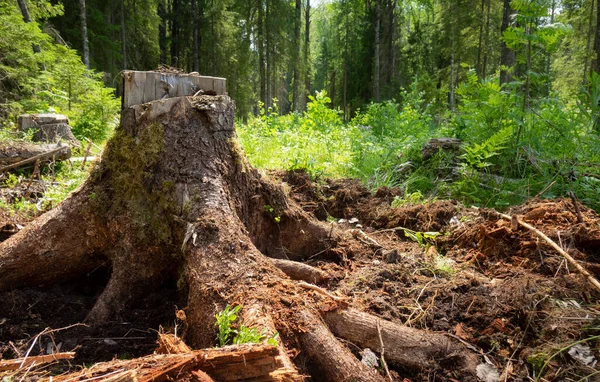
(369, 358)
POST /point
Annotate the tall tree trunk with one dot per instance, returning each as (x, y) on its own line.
(507, 55)
(296, 63)
(123, 39)
(553, 8)
(162, 31)
(261, 53)
(332, 89)
(486, 42)
(588, 43)
(345, 87)
(268, 41)
(195, 38)
(596, 65)
(84, 34)
(480, 43)
(175, 33)
(27, 19)
(376, 75)
(307, 62)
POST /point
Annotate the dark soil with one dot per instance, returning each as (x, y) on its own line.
(505, 293)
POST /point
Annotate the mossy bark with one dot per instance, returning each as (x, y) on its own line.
(174, 197)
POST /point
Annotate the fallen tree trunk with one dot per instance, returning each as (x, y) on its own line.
(18, 154)
(174, 197)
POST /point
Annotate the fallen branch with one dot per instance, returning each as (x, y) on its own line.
(561, 251)
(20, 363)
(321, 290)
(43, 156)
(385, 366)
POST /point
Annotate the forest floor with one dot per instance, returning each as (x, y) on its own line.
(501, 291)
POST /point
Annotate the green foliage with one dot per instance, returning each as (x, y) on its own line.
(228, 333)
(53, 80)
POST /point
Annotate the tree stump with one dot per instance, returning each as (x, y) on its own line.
(174, 196)
(48, 128)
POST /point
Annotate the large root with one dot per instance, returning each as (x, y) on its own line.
(174, 197)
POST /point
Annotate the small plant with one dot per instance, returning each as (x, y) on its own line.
(412, 198)
(225, 320)
(228, 334)
(423, 238)
(11, 181)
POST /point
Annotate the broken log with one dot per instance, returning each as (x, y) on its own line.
(17, 154)
(24, 363)
(227, 364)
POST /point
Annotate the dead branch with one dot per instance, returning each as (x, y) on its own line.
(562, 252)
(20, 363)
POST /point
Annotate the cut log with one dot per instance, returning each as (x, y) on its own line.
(143, 87)
(17, 154)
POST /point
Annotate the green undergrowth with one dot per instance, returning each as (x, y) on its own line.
(508, 155)
(232, 332)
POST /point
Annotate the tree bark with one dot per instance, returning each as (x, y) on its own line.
(27, 19)
(84, 34)
(162, 31)
(123, 34)
(596, 64)
(376, 75)
(297, 67)
(307, 62)
(174, 197)
(261, 54)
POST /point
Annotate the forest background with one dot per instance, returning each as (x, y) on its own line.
(341, 87)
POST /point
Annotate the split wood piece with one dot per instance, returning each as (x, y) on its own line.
(300, 271)
(231, 363)
(561, 251)
(17, 154)
(408, 347)
(143, 87)
(20, 363)
(169, 344)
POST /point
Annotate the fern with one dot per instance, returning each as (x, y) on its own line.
(478, 155)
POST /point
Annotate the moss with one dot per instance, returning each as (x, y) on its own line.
(131, 189)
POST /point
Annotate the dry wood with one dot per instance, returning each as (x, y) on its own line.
(143, 87)
(561, 251)
(231, 363)
(20, 363)
(86, 153)
(385, 366)
(60, 152)
(301, 271)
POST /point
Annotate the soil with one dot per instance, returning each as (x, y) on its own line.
(502, 291)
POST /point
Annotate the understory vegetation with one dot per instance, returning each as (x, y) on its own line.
(507, 154)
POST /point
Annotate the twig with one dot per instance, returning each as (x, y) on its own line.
(576, 205)
(321, 290)
(33, 174)
(86, 153)
(539, 194)
(564, 254)
(385, 366)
